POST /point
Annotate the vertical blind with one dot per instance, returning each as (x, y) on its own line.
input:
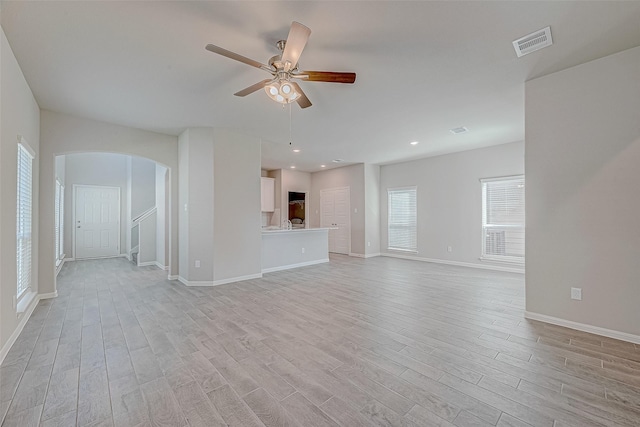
(402, 226)
(503, 218)
(24, 219)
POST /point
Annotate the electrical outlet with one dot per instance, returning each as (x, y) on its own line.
(369, 244)
(449, 249)
(302, 250)
(576, 293)
(355, 210)
(197, 264)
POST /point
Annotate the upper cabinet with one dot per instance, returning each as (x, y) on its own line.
(267, 192)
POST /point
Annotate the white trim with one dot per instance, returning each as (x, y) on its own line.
(147, 263)
(623, 336)
(456, 263)
(160, 266)
(59, 266)
(48, 295)
(16, 333)
(173, 277)
(364, 255)
(290, 266)
(501, 178)
(217, 282)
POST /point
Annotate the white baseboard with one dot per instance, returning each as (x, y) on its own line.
(161, 267)
(609, 333)
(217, 282)
(48, 295)
(146, 264)
(173, 277)
(290, 266)
(364, 255)
(16, 333)
(456, 263)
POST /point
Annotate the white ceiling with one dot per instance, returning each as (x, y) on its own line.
(423, 68)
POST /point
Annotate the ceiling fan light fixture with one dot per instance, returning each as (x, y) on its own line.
(282, 91)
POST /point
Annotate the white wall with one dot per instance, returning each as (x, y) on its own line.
(352, 176)
(196, 202)
(237, 229)
(19, 115)
(583, 209)
(220, 206)
(161, 187)
(372, 209)
(449, 198)
(101, 169)
(143, 185)
(65, 134)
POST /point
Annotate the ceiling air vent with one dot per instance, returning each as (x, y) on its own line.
(532, 42)
(461, 129)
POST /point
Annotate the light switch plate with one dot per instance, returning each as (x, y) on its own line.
(576, 293)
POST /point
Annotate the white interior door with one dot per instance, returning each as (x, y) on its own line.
(334, 213)
(97, 221)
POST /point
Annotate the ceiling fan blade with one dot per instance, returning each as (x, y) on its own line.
(296, 41)
(302, 101)
(326, 76)
(252, 88)
(237, 57)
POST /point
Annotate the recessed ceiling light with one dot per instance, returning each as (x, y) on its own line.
(296, 150)
(337, 160)
(459, 130)
(323, 166)
(414, 143)
(293, 167)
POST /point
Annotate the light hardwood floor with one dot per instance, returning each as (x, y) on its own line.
(375, 342)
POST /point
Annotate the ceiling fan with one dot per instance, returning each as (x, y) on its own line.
(284, 68)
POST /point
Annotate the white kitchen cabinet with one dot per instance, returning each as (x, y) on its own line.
(267, 194)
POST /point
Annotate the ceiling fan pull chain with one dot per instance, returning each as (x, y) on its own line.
(290, 138)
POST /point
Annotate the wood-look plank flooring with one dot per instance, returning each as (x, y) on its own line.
(355, 342)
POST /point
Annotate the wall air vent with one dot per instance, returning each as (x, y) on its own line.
(532, 42)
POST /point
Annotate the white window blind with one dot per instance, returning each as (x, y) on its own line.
(503, 219)
(24, 219)
(402, 224)
(59, 221)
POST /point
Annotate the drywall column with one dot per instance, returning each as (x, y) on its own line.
(196, 206)
(237, 225)
(161, 206)
(581, 159)
(372, 210)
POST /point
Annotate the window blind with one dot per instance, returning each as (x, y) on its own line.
(402, 223)
(503, 219)
(24, 219)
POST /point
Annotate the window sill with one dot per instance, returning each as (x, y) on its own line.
(406, 251)
(24, 303)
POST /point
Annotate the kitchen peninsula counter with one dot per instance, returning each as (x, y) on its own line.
(283, 249)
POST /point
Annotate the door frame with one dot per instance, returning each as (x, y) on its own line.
(348, 188)
(73, 218)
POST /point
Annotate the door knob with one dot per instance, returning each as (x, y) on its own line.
(78, 226)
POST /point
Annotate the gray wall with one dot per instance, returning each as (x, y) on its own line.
(143, 185)
(449, 198)
(372, 209)
(583, 209)
(20, 116)
(102, 169)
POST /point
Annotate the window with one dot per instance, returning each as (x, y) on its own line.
(59, 222)
(402, 226)
(24, 219)
(503, 219)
